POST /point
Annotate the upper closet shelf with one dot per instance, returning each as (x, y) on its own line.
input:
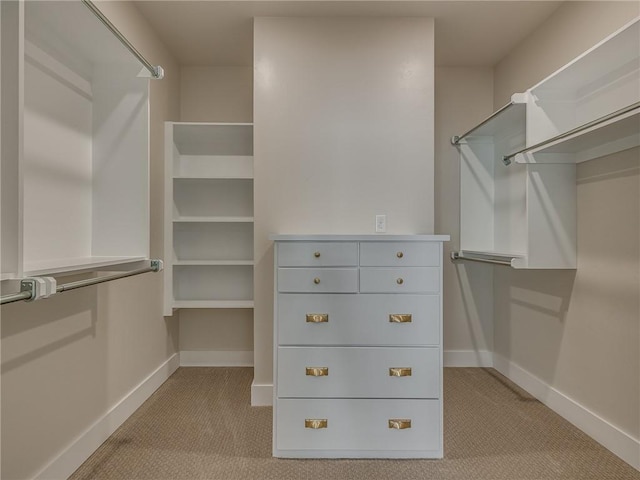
(219, 219)
(590, 107)
(613, 133)
(212, 176)
(508, 118)
(613, 58)
(76, 265)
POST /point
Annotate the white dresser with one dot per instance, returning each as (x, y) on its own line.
(358, 346)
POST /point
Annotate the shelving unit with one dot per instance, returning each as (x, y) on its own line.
(522, 213)
(209, 216)
(75, 154)
(602, 80)
(505, 214)
(613, 133)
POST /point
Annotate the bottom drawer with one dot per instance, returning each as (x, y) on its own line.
(358, 428)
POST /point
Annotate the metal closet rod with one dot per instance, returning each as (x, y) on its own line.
(156, 71)
(457, 256)
(506, 159)
(455, 140)
(27, 286)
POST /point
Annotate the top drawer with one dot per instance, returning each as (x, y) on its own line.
(318, 254)
(392, 254)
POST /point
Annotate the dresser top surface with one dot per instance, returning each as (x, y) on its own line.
(358, 238)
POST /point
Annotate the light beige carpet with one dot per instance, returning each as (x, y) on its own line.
(199, 425)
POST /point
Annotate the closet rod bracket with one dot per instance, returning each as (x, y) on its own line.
(34, 288)
(157, 265)
(28, 286)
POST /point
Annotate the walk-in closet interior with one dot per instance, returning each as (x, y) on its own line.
(331, 230)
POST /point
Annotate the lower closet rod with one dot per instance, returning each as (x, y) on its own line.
(457, 256)
(28, 286)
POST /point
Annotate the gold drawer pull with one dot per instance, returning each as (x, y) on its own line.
(399, 423)
(315, 423)
(316, 280)
(317, 317)
(400, 317)
(399, 254)
(400, 372)
(400, 281)
(317, 371)
(317, 254)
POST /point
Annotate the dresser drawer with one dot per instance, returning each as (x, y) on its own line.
(325, 319)
(318, 254)
(400, 280)
(402, 254)
(358, 428)
(363, 372)
(320, 280)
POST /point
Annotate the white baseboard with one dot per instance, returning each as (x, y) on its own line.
(82, 447)
(261, 394)
(216, 358)
(468, 358)
(611, 437)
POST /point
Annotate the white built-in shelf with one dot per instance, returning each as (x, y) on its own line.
(614, 57)
(587, 109)
(213, 166)
(209, 215)
(213, 139)
(602, 80)
(213, 220)
(75, 143)
(213, 177)
(51, 267)
(215, 262)
(614, 135)
(213, 304)
(212, 197)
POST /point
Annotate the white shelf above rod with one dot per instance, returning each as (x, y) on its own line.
(43, 287)
(507, 159)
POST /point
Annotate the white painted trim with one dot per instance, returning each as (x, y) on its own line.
(468, 358)
(611, 437)
(86, 443)
(216, 358)
(261, 394)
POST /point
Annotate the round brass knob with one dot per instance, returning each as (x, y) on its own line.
(400, 281)
(316, 280)
(399, 254)
(317, 254)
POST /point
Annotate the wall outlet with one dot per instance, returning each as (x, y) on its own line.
(381, 223)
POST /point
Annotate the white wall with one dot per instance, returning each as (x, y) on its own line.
(216, 94)
(68, 360)
(212, 336)
(343, 112)
(464, 97)
(579, 331)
